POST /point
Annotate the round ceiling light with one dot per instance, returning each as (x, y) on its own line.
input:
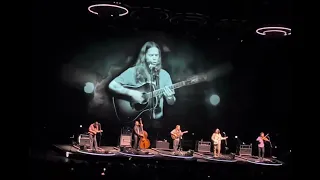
(264, 31)
(99, 8)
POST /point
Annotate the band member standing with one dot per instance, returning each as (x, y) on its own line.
(93, 130)
(217, 138)
(176, 135)
(137, 132)
(148, 68)
(261, 149)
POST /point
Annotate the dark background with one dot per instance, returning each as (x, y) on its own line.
(255, 97)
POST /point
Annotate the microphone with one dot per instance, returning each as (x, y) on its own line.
(151, 67)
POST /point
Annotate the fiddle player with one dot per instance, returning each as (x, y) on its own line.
(261, 140)
(217, 138)
(137, 132)
(94, 128)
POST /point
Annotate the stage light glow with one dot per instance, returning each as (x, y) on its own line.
(95, 154)
(80, 125)
(236, 137)
(220, 160)
(126, 11)
(214, 99)
(173, 156)
(265, 30)
(88, 88)
(137, 155)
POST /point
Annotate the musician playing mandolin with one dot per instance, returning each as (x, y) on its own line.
(261, 140)
(137, 133)
(217, 138)
(94, 128)
(147, 69)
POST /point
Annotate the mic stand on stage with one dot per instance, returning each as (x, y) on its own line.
(270, 146)
(100, 135)
(180, 146)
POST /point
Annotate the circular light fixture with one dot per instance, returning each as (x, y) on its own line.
(125, 10)
(265, 30)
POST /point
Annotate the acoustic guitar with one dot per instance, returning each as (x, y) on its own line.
(128, 110)
(96, 132)
(176, 136)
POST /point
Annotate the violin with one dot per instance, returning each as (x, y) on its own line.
(265, 138)
(144, 142)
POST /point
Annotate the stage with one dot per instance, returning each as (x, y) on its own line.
(109, 152)
(69, 161)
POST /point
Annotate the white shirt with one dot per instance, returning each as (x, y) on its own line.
(216, 138)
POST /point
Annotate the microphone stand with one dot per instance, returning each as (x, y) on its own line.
(100, 135)
(270, 146)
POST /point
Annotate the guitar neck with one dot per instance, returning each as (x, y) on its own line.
(175, 86)
(212, 74)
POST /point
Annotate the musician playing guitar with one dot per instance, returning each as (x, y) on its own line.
(261, 140)
(216, 138)
(149, 73)
(176, 135)
(93, 130)
(137, 132)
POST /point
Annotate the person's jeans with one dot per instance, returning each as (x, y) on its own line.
(261, 152)
(93, 141)
(136, 140)
(176, 144)
(216, 149)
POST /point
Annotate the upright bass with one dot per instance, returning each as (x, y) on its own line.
(144, 142)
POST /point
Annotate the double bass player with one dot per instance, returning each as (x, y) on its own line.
(137, 133)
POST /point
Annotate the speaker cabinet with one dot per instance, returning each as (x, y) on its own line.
(203, 146)
(125, 140)
(162, 144)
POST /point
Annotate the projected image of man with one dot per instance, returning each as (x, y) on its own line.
(147, 69)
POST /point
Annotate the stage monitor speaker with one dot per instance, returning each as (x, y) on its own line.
(125, 140)
(84, 140)
(245, 150)
(162, 144)
(203, 146)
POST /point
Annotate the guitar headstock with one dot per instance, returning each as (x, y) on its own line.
(219, 71)
(196, 79)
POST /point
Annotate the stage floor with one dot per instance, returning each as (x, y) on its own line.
(74, 152)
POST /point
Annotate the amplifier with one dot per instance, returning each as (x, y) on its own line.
(125, 140)
(162, 144)
(84, 140)
(245, 150)
(203, 146)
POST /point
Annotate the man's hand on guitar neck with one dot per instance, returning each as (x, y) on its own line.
(136, 96)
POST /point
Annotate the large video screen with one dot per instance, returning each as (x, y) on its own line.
(152, 76)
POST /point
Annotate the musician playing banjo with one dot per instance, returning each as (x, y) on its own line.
(176, 135)
(148, 69)
(216, 138)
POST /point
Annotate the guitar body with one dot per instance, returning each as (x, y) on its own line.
(128, 110)
(173, 136)
(144, 142)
